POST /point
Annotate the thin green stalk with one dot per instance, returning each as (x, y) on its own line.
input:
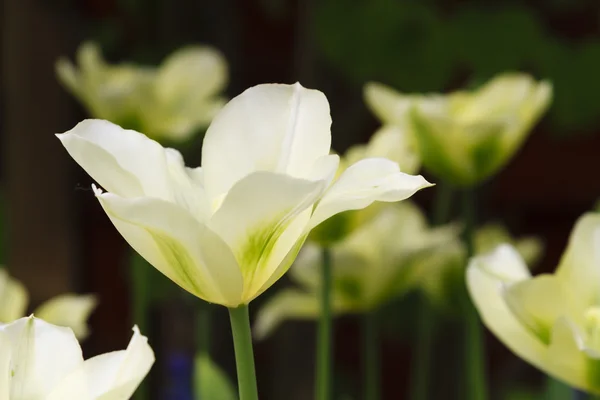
(203, 324)
(371, 357)
(475, 378)
(425, 335)
(140, 293)
(557, 390)
(244, 355)
(324, 353)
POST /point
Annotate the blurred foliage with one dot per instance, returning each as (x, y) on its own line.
(418, 46)
(216, 385)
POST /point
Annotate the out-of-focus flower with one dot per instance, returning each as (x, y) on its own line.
(39, 361)
(169, 102)
(372, 265)
(389, 142)
(465, 137)
(68, 310)
(228, 230)
(440, 273)
(552, 320)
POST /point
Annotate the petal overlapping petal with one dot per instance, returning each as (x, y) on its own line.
(276, 128)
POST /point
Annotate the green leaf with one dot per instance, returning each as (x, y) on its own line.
(211, 382)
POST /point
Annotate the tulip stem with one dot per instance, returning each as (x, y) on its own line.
(476, 385)
(371, 357)
(324, 356)
(425, 335)
(139, 269)
(244, 354)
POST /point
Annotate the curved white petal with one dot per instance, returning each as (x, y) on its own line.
(272, 127)
(369, 180)
(179, 246)
(287, 304)
(5, 373)
(124, 162)
(580, 264)
(13, 298)
(69, 310)
(256, 213)
(116, 375)
(486, 277)
(42, 355)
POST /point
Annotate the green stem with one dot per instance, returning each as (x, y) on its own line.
(476, 385)
(139, 270)
(244, 355)
(371, 359)
(425, 335)
(324, 356)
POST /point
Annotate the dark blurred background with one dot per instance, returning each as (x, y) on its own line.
(59, 239)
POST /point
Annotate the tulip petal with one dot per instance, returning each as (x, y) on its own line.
(69, 310)
(13, 298)
(580, 264)
(369, 180)
(116, 375)
(566, 359)
(124, 162)
(486, 277)
(539, 302)
(276, 128)
(185, 90)
(390, 106)
(254, 218)
(176, 244)
(5, 373)
(195, 70)
(287, 304)
(42, 355)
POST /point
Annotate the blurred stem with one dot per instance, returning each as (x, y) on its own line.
(140, 293)
(324, 353)
(203, 325)
(556, 390)
(425, 335)
(371, 356)
(244, 354)
(475, 379)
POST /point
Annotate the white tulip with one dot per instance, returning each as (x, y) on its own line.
(551, 321)
(68, 309)
(226, 231)
(41, 361)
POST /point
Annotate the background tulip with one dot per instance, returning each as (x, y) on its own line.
(372, 265)
(168, 103)
(41, 361)
(551, 320)
(465, 137)
(69, 310)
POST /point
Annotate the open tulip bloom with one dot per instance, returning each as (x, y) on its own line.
(465, 137)
(228, 230)
(70, 310)
(551, 321)
(41, 361)
(169, 102)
